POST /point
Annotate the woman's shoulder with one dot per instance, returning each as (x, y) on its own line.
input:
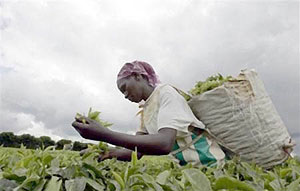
(168, 91)
(167, 88)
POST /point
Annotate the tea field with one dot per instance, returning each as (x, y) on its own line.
(49, 170)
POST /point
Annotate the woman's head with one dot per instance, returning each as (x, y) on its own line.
(136, 80)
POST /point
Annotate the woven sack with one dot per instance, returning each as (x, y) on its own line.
(242, 118)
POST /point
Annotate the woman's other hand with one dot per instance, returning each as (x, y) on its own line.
(120, 154)
(106, 155)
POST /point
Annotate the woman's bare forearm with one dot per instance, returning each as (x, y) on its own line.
(154, 144)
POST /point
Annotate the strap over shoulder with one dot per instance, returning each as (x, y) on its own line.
(186, 96)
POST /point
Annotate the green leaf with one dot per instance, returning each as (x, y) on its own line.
(47, 159)
(134, 157)
(227, 182)
(94, 184)
(149, 180)
(294, 186)
(54, 184)
(86, 155)
(54, 166)
(69, 172)
(40, 185)
(277, 184)
(163, 177)
(115, 184)
(49, 148)
(94, 115)
(126, 173)
(12, 176)
(28, 182)
(78, 115)
(77, 184)
(197, 179)
(119, 179)
(4, 183)
(284, 172)
(94, 169)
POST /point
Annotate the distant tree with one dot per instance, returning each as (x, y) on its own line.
(17, 143)
(8, 139)
(60, 144)
(47, 141)
(78, 146)
(30, 142)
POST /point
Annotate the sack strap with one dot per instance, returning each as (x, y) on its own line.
(185, 95)
(193, 141)
(186, 146)
(209, 134)
(220, 142)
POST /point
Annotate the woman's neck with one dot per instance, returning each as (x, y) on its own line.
(147, 92)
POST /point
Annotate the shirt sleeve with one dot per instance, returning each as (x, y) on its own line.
(174, 111)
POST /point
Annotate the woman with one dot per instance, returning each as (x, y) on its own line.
(168, 125)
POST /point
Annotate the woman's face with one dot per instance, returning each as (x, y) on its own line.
(132, 87)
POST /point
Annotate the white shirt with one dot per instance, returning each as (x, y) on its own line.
(166, 108)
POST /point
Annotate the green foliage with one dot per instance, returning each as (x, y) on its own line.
(8, 139)
(30, 141)
(101, 148)
(209, 84)
(45, 170)
(95, 116)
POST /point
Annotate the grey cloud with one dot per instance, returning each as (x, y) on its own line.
(53, 102)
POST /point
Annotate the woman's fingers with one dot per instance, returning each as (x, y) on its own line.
(99, 158)
(103, 156)
(77, 125)
(83, 119)
(88, 120)
(78, 119)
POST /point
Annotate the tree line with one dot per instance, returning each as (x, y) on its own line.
(9, 139)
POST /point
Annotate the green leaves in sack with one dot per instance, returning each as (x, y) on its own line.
(209, 84)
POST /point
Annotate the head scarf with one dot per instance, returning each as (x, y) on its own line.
(139, 67)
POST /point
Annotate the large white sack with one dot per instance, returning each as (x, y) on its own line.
(242, 117)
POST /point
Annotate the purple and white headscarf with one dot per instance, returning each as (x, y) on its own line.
(139, 67)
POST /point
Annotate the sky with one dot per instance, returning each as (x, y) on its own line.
(60, 57)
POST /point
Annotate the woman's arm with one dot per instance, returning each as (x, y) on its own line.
(121, 154)
(154, 144)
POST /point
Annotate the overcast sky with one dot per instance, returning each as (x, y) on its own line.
(62, 57)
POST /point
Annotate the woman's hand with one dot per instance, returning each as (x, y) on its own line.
(106, 155)
(120, 154)
(89, 130)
